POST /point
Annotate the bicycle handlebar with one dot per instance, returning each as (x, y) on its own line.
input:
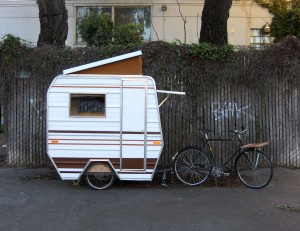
(244, 130)
(239, 133)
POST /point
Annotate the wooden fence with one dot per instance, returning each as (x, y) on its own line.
(25, 118)
(258, 89)
(270, 114)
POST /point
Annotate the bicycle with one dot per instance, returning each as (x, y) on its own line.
(193, 165)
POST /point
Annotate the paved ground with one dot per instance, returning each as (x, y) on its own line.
(35, 199)
(31, 200)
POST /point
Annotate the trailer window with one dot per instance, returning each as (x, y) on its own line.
(87, 105)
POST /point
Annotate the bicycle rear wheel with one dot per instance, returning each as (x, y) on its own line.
(192, 166)
(254, 169)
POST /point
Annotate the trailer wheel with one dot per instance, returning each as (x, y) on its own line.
(100, 176)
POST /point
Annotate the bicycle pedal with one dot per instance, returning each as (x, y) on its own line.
(226, 174)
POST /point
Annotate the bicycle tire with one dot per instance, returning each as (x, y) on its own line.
(192, 166)
(99, 179)
(254, 169)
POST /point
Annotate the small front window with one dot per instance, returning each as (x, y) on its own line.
(87, 105)
(259, 40)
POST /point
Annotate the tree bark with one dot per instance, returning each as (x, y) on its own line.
(214, 22)
(53, 16)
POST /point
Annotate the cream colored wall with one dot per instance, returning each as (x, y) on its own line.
(21, 18)
(170, 25)
(243, 16)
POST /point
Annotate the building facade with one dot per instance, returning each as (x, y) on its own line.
(162, 19)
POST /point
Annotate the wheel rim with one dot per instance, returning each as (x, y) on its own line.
(100, 176)
(254, 169)
(192, 167)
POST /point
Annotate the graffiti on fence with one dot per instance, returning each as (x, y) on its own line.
(38, 106)
(230, 109)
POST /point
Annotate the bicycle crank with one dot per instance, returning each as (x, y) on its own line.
(218, 172)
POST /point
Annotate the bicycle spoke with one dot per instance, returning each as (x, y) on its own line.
(191, 166)
(254, 169)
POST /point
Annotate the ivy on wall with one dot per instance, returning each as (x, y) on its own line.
(203, 63)
(286, 20)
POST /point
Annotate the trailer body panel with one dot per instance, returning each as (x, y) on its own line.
(112, 118)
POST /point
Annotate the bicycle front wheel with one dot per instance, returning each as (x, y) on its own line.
(192, 166)
(254, 169)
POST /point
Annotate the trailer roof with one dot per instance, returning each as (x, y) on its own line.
(127, 64)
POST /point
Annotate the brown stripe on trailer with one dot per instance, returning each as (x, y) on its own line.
(121, 172)
(127, 163)
(79, 171)
(103, 132)
(54, 139)
(137, 87)
(134, 172)
(70, 165)
(133, 163)
(92, 132)
(106, 87)
(56, 143)
(83, 86)
(70, 162)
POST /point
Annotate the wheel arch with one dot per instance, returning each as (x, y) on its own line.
(92, 161)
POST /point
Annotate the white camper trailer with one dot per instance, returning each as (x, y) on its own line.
(104, 126)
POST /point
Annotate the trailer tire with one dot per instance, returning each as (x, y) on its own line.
(100, 176)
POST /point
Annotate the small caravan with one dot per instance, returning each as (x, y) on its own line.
(103, 122)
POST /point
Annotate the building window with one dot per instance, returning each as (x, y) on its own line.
(259, 40)
(120, 15)
(141, 15)
(87, 105)
(83, 11)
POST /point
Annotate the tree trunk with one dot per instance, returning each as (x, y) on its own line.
(214, 22)
(54, 22)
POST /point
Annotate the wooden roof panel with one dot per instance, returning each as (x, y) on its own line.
(128, 64)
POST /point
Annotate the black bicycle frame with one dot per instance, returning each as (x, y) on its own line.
(207, 141)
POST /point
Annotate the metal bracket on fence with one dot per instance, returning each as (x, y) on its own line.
(168, 92)
(162, 102)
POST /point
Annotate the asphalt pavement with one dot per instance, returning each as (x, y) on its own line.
(34, 199)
